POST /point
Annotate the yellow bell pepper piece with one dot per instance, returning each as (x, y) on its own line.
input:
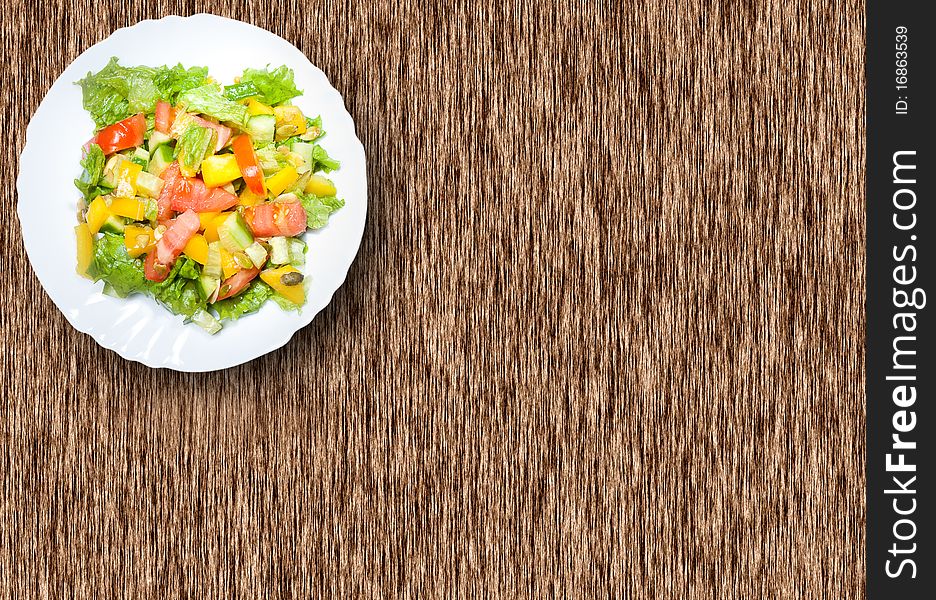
(248, 198)
(85, 248)
(206, 218)
(97, 214)
(289, 122)
(197, 249)
(219, 169)
(127, 173)
(129, 207)
(258, 108)
(290, 115)
(320, 186)
(229, 266)
(211, 230)
(273, 278)
(279, 182)
(138, 240)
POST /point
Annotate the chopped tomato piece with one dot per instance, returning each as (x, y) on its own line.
(173, 241)
(277, 218)
(236, 283)
(199, 198)
(122, 135)
(218, 199)
(171, 178)
(182, 193)
(224, 132)
(153, 270)
(165, 115)
(248, 164)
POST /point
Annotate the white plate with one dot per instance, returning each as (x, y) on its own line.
(136, 327)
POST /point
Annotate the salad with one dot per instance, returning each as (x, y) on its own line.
(196, 194)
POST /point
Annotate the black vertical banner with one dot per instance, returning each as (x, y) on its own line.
(901, 372)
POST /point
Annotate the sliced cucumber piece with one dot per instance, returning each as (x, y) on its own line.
(110, 290)
(305, 150)
(234, 234)
(297, 251)
(114, 224)
(213, 262)
(140, 157)
(149, 185)
(257, 254)
(206, 321)
(151, 210)
(162, 158)
(158, 139)
(261, 129)
(208, 285)
(279, 250)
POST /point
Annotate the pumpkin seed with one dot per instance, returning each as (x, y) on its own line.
(243, 261)
(291, 278)
(82, 211)
(285, 131)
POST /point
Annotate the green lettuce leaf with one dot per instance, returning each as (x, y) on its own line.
(178, 292)
(172, 81)
(208, 100)
(104, 94)
(239, 91)
(319, 208)
(111, 263)
(322, 161)
(314, 129)
(116, 92)
(275, 86)
(313, 132)
(248, 301)
(270, 160)
(90, 182)
(124, 276)
(181, 297)
(194, 144)
(189, 269)
(285, 304)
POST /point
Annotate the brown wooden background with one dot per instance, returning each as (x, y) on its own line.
(604, 336)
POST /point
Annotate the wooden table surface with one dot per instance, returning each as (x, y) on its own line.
(604, 336)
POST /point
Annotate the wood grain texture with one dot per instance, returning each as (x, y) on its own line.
(604, 337)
